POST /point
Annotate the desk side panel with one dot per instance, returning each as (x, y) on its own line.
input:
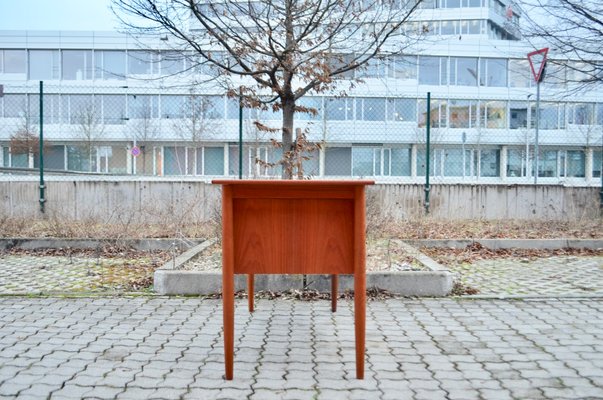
(293, 236)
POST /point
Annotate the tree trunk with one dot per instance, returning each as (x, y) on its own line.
(288, 112)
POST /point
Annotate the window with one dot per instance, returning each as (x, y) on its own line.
(575, 164)
(374, 68)
(54, 157)
(516, 163)
(81, 110)
(5, 156)
(448, 27)
(520, 74)
(578, 71)
(599, 113)
(597, 160)
(400, 162)
(518, 114)
(494, 114)
(76, 64)
(213, 161)
(557, 74)
(581, 113)
(202, 108)
(142, 63)
(338, 161)
(429, 70)
(143, 106)
(339, 109)
(370, 109)
(547, 164)
(493, 72)
(14, 62)
(43, 64)
(175, 158)
(232, 111)
(171, 106)
(463, 113)
(337, 61)
(81, 158)
(463, 71)
(473, 27)
(114, 109)
(438, 113)
(110, 64)
(363, 161)
(15, 105)
(379, 161)
(402, 67)
(51, 108)
(172, 62)
(313, 106)
(550, 117)
(454, 163)
(489, 163)
(401, 110)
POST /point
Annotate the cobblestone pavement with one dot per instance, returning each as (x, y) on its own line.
(25, 274)
(554, 276)
(170, 348)
(563, 275)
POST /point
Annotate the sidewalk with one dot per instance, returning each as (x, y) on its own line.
(170, 348)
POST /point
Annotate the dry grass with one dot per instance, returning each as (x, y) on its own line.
(428, 228)
(62, 228)
(378, 228)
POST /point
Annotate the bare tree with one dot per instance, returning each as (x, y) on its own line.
(572, 28)
(26, 138)
(145, 131)
(197, 120)
(280, 48)
(89, 127)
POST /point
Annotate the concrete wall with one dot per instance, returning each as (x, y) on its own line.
(156, 200)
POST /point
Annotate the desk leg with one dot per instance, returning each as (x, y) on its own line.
(359, 279)
(228, 305)
(334, 284)
(228, 281)
(250, 291)
(360, 321)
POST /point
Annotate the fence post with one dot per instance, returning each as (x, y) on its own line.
(42, 186)
(427, 155)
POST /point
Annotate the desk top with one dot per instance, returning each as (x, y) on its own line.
(287, 182)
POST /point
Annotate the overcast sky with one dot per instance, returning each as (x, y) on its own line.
(86, 15)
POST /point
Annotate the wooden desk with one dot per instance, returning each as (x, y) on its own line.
(293, 227)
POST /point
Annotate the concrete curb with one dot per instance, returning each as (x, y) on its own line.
(92, 244)
(494, 244)
(436, 282)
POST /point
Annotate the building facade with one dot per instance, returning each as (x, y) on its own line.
(115, 105)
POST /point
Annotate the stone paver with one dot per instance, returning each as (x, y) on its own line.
(26, 274)
(554, 276)
(145, 348)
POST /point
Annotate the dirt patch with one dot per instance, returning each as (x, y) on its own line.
(475, 252)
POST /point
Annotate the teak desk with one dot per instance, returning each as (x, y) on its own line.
(293, 227)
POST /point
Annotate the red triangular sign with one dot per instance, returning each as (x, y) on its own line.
(537, 60)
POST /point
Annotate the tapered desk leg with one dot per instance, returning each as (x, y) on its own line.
(228, 280)
(360, 322)
(228, 305)
(359, 279)
(250, 291)
(334, 283)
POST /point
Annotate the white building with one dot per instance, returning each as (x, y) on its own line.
(103, 96)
